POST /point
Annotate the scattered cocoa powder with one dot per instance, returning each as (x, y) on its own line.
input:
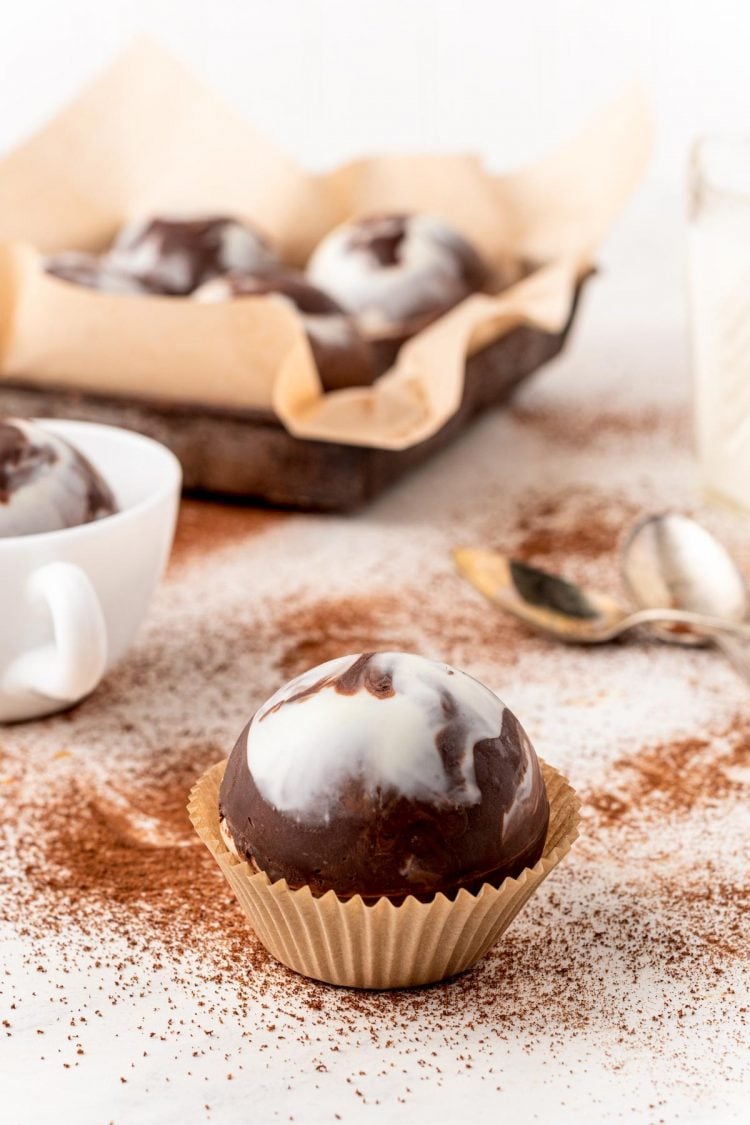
(205, 526)
(319, 631)
(91, 864)
(437, 622)
(123, 859)
(585, 425)
(103, 878)
(672, 778)
(578, 522)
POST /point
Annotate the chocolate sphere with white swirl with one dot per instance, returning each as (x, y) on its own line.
(46, 484)
(385, 774)
(94, 271)
(397, 273)
(175, 254)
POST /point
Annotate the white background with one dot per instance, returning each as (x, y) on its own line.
(330, 79)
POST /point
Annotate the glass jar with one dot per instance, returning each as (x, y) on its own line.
(719, 287)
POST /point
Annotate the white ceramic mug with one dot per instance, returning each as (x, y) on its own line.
(72, 600)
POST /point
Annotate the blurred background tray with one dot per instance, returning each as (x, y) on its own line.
(249, 454)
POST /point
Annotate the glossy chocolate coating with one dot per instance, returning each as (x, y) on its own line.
(397, 273)
(46, 484)
(176, 255)
(467, 811)
(342, 356)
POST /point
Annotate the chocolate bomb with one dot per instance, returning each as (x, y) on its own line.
(176, 255)
(385, 774)
(341, 354)
(397, 273)
(46, 484)
(93, 271)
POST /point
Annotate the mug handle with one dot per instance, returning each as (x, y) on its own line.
(71, 666)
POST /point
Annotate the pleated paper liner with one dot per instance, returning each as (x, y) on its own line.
(380, 946)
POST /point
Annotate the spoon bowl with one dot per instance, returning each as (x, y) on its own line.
(543, 600)
(670, 560)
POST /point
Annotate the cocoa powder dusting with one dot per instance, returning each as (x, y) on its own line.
(585, 424)
(581, 522)
(672, 778)
(205, 526)
(317, 632)
(103, 878)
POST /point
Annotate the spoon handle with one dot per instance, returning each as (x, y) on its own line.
(696, 622)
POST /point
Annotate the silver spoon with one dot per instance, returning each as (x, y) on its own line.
(568, 612)
(669, 559)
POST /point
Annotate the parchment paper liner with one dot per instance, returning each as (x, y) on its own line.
(147, 137)
(380, 946)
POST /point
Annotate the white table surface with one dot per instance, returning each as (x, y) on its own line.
(612, 1030)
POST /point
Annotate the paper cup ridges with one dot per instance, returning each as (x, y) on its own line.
(380, 946)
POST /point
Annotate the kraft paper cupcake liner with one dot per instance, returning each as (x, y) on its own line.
(381, 945)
